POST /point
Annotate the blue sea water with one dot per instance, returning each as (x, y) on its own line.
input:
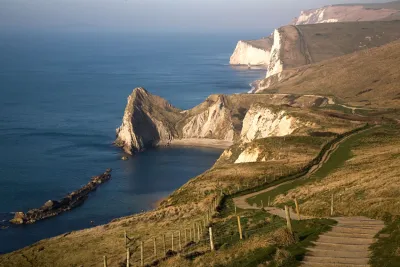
(63, 95)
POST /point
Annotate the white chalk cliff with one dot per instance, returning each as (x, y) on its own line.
(247, 54)
(262, 122)
(214, 122)
(249, 155)
(344, 13)
(252, 52)
(275, 64)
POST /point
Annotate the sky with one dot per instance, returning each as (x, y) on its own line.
(153, 15)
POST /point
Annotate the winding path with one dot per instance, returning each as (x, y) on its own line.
(346, 245)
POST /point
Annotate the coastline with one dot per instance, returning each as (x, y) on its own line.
(199, 142)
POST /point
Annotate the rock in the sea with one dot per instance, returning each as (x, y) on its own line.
(53, 207)
(124, 158)
(19, 218)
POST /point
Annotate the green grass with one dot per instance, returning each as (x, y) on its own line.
(386, 251)
(337, 159)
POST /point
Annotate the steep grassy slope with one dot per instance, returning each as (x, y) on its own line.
(366, 78)
(365, 182)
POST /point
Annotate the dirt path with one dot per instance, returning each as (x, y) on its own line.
(241, 202)
(346, 245)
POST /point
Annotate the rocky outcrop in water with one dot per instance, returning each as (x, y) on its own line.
(53, 207)
(151, 121)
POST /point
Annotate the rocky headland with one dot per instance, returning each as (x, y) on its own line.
(53, 207)
(221, 120)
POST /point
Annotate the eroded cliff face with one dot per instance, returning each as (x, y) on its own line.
(262, 122)
(275, 64)
(150, 121)
(215, 122)
(254, 53)
(338, 13)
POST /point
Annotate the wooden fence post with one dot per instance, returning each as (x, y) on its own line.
(172, 241)
(128, 255)
(190, 234)
(105, 261)
(235, 209)
(186, 236)
(126, 239)
(288, 221)
(198, 232)
(141, 254)
(211, 238)
(297, 208)
(262, 204)
(165, 249)
(332, 205)
(269, 201)
(239, 227)
(179, 238)
(155, 247)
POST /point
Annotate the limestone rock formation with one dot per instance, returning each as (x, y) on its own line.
(148, 120)
(151, 121)
(261, 122)
(252, 52)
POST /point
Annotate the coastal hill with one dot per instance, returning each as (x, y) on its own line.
(367, 78)
(350, 12)
(250, 52)
(300, 45)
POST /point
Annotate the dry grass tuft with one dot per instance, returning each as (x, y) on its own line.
(282, 237)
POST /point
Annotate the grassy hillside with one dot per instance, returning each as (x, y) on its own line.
(368, 78)
(363, 175)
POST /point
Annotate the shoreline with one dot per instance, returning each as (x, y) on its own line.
(199, 142)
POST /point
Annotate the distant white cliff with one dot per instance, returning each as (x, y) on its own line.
(253, 53)
(344, 13)
(275, 64)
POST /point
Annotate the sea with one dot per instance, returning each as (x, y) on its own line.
(62, 95)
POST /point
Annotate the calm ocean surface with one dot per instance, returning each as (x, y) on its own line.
(61, 98)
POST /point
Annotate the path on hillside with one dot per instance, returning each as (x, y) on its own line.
(346, 245)
(241, 202)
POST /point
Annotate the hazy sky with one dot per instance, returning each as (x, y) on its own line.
(153, 15)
